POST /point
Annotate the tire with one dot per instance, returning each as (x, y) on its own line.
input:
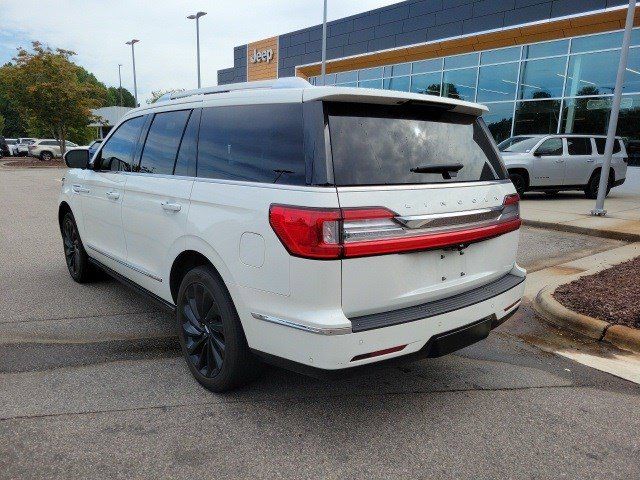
(211, 335)
(46, 156)
(519, 182)
(591, 190)
(80, 269)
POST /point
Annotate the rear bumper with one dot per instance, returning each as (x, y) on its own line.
(444, 326)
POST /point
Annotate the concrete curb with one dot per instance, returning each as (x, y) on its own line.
(554, 312)
(592, 232)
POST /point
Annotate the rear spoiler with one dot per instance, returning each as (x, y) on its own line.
(387, 97)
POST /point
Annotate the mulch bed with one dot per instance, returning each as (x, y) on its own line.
(31, 162)
(612, 295)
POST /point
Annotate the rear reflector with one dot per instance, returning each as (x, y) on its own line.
(358, 232)
(378, 353)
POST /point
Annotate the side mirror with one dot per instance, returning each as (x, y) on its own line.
(78, 158)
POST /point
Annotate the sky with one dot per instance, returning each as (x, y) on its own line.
(166, 55)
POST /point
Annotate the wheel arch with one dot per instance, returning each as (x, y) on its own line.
(63, 209)
(521, 171)
(185, 261)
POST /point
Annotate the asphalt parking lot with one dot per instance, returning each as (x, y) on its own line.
(92, 385)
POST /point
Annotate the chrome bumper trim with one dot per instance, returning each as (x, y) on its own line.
(299, 326)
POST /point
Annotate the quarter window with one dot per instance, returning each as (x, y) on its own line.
(579, 146)
(258, 143)
(117, 152)
(163, 140)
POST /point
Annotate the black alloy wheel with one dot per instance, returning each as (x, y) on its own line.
(46, 156)
(211, 334)
(72, 246)
(203, 330)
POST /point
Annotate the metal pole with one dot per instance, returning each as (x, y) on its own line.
(196, 17)
(133, 58)
(324, 45)
(135, 82)
(120, 83)
(615, 111)
(198, 49)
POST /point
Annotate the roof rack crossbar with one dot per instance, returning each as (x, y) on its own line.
(288, 82)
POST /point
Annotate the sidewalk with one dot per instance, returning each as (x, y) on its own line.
(569, 211)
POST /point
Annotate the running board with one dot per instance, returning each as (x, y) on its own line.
(143, 291)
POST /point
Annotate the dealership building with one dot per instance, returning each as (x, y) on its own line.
(541, 66)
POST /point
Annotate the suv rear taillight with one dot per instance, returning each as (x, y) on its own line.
(333, 233)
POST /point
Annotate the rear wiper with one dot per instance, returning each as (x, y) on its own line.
(447, 170)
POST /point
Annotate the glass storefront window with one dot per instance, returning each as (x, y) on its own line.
(428, 83)
(460, 84)
(596, 42)
(461, 61)
(499, 120)
(497, 82)
(501, 55)
(592, 73)
(542, 78)
(590, 116)
(546, 49)
(426, 66)
(397, 70)
(399, 83)
(537, 117)
(370, 73)
(370, 83)
(632, 75)
(345, 77)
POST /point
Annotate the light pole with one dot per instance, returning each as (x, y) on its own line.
(615, 111)
(196, 17)
(120, 83)
(133, 58)
(324, 45)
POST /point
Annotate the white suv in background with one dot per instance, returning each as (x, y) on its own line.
(317, 228)
(551, 163)
(47, 148)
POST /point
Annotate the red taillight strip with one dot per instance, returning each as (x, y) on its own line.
(429, 241)
(377, 353)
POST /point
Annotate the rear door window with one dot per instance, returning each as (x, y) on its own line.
(186, 161)
(255, 143)
(117, 152)
(579, 146)
(396, 145)
(161, 147)
(600, 144)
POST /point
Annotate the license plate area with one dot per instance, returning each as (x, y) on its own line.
(452, 264)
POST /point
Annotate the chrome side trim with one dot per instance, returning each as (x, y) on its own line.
(133, 267)
(299, 326)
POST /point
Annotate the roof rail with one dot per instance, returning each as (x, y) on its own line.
(287, 82)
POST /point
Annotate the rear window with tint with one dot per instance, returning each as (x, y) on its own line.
(256, 143)
(391, 145)
(600, 143)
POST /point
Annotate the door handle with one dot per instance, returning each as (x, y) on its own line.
(171, 207)
(590, 160)
(560, 160)
(113, 195)
(79, 188)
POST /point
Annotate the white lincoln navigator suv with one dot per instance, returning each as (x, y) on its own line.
(317, 228)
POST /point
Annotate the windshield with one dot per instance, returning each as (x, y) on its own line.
(409, 144)
(518, 144)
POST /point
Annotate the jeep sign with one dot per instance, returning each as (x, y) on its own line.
(261, 56)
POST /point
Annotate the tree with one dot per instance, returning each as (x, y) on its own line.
(14, 124)
(54, 94)
(113, 97)
(1, 124)
(156, 94)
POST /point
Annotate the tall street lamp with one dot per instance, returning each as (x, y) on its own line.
(133, 58)
(120, 83)
(196, 17)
